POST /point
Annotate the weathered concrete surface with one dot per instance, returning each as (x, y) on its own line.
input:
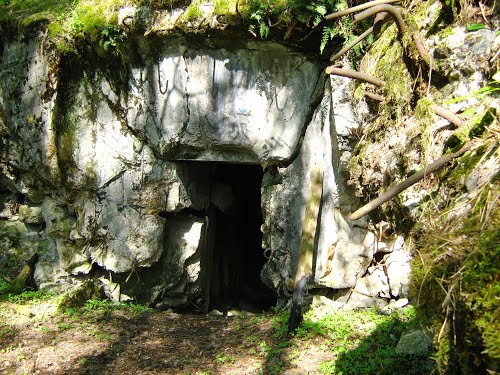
(94, 179)
(90, 148)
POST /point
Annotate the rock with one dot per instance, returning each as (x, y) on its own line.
(465, 52)
(77, 296)
(113, 290)
(398, 271)
(414, 343)
(183, 239)
(325, 305)
(30, 214)
(350, 259)
(71, 258)
(106, 167)
(396, 304)
(216, 313)
(398, 244)
(134, 240)
(374, 284)
(358, 300)
(370, 242)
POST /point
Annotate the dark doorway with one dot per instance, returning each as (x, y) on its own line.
(237, 255)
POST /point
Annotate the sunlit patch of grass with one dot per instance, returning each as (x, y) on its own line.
(107, 306)
(357, 342)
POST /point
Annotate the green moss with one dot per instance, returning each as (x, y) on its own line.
(223, 7)
(424, 112)
(384, 60)
(67, 21)
(193, 11)
(60, 229)
(38, 18)
(473, 129)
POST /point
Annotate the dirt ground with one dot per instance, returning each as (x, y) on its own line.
(35, 339)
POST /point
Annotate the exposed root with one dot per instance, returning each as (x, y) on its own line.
(354, 74)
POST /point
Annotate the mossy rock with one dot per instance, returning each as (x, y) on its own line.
(88, 290)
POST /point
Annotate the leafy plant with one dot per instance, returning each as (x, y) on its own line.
(111, 38)
(475, 26)
(455, 279)
(285, 12)
(492, 87)
(222, 358)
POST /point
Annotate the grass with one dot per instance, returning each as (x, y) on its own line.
(355, 342)
(455, 278)
(363, 341)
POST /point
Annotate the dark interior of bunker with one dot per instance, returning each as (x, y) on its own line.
(232, 256)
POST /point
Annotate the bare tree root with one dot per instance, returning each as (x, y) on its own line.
(347, 11)
(402, 28)
(446, 114)
(354, 74)
(380, 19)
(391, 193)
(373, 96)
(344, 50)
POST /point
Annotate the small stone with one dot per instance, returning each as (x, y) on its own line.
(395, 305)
(215, 313)
(398, 244)
(414, 343)
(400, 303)
(398, 272)
(383, 248)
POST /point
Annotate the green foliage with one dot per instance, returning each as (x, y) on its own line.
(329, 32)
(107, 306)
(287, 12)
(193, 11)
(223, 7)
(70, 21)
(111, 38)
(4, 285)
(492, 87)
(222, 358)
(475, 26)
(364, 341)
(455, 279)
(31, 297)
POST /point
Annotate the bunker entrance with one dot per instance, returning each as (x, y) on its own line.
(234, 255)
(228, 197)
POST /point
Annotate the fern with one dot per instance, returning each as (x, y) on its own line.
(329, 32)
